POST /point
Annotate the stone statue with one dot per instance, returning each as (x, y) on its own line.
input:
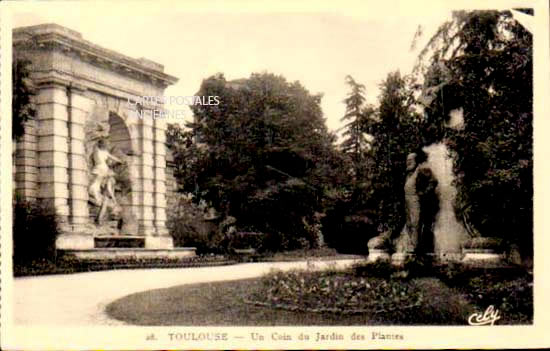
(431, 225)
(408, 239)
(426, 186)
(102, 186)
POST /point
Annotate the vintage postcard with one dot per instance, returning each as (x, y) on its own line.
(274, 175)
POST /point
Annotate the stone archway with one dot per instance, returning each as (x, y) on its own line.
(122, 146)
(119, 135)
(81, 102)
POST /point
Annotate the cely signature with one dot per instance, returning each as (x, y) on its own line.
(489, 317)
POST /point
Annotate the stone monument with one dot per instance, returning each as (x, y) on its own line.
(431, 226)
(91, 151)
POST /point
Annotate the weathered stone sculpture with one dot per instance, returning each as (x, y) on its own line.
(449, 233)
(408, 238)
(431, 226)
(379, 247)
(102, 186)
(127, 224)
(426, 185)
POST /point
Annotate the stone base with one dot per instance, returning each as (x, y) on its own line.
(378, 255)
(127, 253)
(74, 242)
(399, 258)
(119, 241)
(448, 257)
(159, 242)
(476, 256)
(81, 241)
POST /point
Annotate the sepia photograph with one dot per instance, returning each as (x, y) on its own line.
(262, 175)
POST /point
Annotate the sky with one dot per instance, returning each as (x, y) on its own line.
(317, 46)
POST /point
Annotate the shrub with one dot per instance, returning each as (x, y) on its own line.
(245, 240)
(187, 224)
(280, 241)
(379, 269)
(513, 298)
(412, 268)
(347, 230)
(510, 290)
(35, 228)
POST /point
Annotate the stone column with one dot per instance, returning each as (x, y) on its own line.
(25, 163)
(163, 238)
(78, 107)
(145, 180)
(52, 147)
(59, 160)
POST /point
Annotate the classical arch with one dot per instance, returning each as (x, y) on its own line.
(119, 135)
(74, 114)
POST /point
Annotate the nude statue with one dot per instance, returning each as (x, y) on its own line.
(408, 238)
(426, 185)
(102, 187)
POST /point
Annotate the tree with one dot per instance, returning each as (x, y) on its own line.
(268, 158)
(355, 143)
(396, 131)
(23, 91)
(187, 156)
(487, 59)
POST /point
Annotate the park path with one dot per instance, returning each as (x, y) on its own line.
(81, 298)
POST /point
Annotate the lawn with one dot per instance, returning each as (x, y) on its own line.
(214, 304)
(319, 298)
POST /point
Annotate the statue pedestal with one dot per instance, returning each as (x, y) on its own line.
(378, 255)
(76, 241)
(481, 256)
(128, 256)
(399, 258)
(119, 241)
(159, 242)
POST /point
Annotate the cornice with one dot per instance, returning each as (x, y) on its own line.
(67, 41)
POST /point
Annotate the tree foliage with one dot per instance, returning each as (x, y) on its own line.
(23, 91)
(264, 156)
(356, 143)
(35, 228)
(488, 60)
(396, 131)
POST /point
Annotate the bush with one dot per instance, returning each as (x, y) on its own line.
(412, 268)
(510, 290)
(245, 240)
(379, 269)
(513, 298)
(35, 228)
(188, 227)
(347, 230)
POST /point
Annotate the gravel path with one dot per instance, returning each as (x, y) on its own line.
(80, 299)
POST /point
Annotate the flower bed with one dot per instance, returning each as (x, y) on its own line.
(71, 265)
(336, 292)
